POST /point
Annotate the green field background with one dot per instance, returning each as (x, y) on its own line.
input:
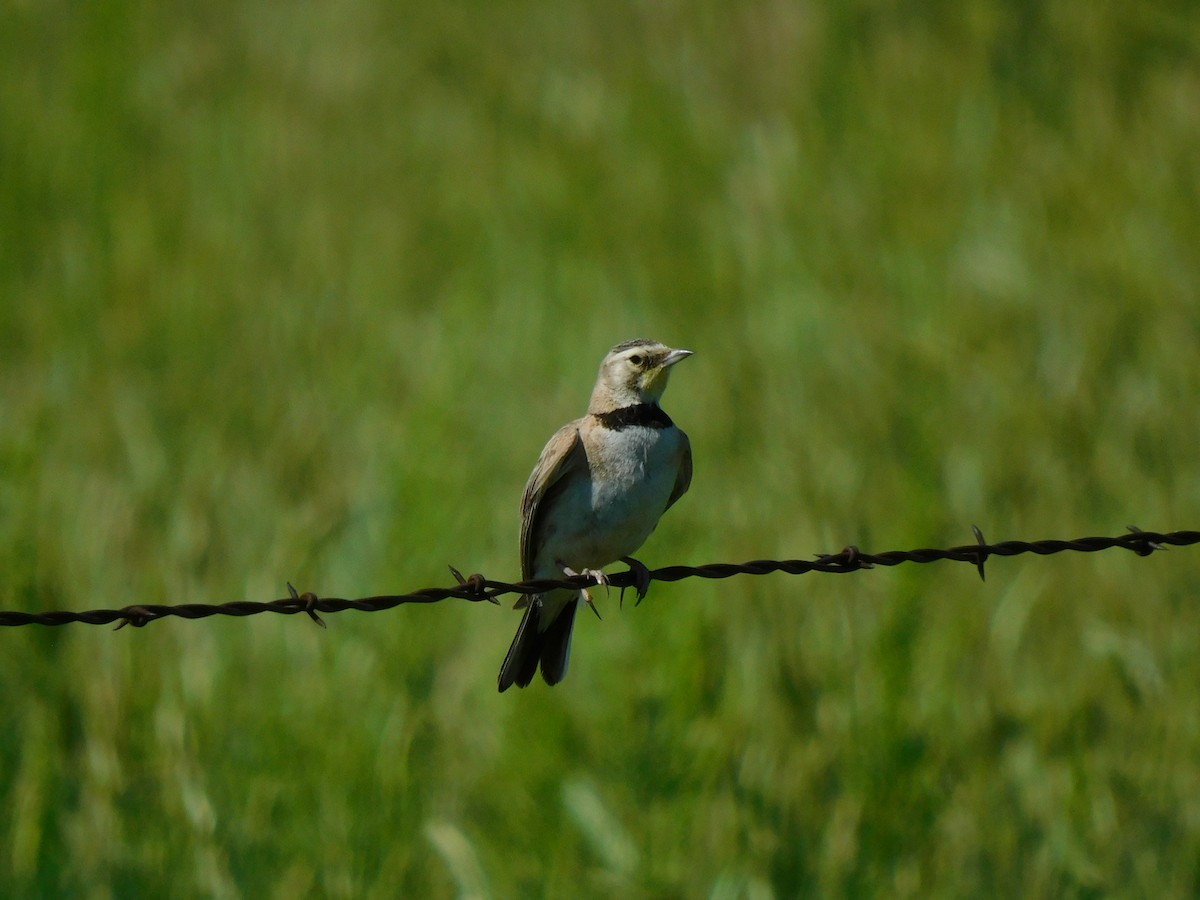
(298, 291)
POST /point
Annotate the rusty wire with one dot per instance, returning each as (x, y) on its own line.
(476, 588)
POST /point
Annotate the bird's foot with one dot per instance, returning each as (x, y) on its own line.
(585, 594)
(641, 579)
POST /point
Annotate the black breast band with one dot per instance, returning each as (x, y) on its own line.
(647, 415)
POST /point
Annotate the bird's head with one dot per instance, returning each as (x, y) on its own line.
(634, 372)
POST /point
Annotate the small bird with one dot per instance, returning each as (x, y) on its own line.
(595, 495)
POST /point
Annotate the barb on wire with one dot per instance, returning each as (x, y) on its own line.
(476, 588)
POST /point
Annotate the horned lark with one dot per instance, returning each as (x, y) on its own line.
(596, 493)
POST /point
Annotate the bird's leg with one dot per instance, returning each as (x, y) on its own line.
(600, 577)
(641, 579)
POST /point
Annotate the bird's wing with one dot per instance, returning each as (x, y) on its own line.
(562, 455)
(684, 479)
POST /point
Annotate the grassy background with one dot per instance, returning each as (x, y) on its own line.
(298, 292)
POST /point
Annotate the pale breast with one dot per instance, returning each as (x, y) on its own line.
(598, 520)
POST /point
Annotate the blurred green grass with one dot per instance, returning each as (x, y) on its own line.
(298, 293)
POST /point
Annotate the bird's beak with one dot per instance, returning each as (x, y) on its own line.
(675, 356)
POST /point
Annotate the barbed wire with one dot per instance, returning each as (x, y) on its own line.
(476, 588)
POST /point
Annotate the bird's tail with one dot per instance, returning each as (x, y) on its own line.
(538, 641)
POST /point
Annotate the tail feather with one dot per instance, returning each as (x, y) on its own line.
(548, 645)
(522, 660)
(556, 645)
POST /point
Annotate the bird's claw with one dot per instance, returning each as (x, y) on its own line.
(600, 577)
(584, 594)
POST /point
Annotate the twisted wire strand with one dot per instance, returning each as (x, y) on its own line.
(476, 588)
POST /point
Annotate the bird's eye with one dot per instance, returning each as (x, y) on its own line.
(637, 359)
